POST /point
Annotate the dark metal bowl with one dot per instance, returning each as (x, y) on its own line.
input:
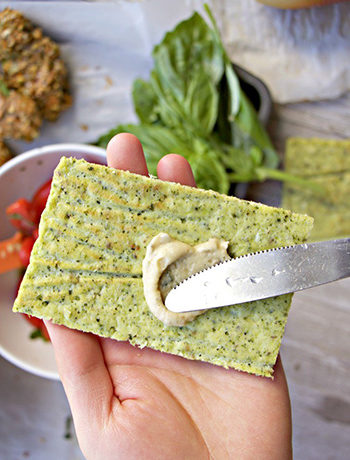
(257, 92)
(260, 96)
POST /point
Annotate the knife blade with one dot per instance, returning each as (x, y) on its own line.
(261, 275)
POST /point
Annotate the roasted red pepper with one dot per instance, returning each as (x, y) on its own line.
(21, 216)
(15, 252)
(39, 200)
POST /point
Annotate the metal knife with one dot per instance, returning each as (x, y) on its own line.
(261, 275)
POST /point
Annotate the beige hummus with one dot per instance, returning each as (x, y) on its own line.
(167, 263)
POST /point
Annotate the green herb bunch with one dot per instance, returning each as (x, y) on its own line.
(193, 105)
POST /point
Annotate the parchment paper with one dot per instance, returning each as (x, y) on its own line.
(301, 55)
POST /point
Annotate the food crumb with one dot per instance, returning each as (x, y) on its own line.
(68, 427)
(109, 81)
(26, 454)
(84, 127)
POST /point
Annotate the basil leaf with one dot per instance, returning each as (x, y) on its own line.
(193, 105)
(188, 49)
(241, 112)
(242, 127)
(202, 103)
(145, 101)
(236, 160)
(234, 91)
(169, 110)
(188, 67)
(208, 171)
(248, 121)
(197, 109)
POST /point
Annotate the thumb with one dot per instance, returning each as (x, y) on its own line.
(84, 375)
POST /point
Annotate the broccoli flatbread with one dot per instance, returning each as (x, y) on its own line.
(331, 220)
(312, 157)
(86, 266)
(326, 163)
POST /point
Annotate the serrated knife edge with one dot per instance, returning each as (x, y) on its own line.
(261, 275)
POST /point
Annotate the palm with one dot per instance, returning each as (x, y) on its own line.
(137, 404)
(164, 406)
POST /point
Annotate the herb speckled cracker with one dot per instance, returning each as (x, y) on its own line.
(326, 162)
(310, 157)
(331, 213)
(86, 266)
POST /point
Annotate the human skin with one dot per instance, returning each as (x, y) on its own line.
(135, 404)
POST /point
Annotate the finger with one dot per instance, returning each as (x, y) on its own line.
(175, 168)
(83, 372)
(124, 151)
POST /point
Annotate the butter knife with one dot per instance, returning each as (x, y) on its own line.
(261, 275)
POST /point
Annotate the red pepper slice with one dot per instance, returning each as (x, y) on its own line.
(39, 200)
(36, 233)
(21, 215)
(36, 322)
(26, 249)
(9, 253)
(39, 325)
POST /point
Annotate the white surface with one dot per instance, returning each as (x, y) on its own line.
(300, 54)
(20, 178)
(33, 414)
(316, 357)
(105, 46)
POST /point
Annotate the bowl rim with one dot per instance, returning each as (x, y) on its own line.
(32, 369)
(51, 149)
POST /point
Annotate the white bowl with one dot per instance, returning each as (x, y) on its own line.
(21, 177)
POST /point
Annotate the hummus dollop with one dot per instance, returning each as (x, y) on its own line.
(167, 263)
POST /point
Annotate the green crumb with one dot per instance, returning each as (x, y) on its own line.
(37, 334)
(86, 270)
(68, 427)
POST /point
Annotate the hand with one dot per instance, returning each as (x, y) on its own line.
(137, 404)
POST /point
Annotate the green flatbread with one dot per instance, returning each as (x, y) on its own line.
(331, 220)
(86, 266)
(312, 157)
(305, 157)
